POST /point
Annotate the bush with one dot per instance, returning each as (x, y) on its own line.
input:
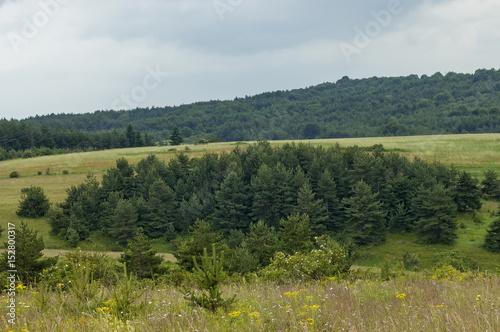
(34, 203)
(65, 172)
(327, 261)
(456, 259)
(14, 174)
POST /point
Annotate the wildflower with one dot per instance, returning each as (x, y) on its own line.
(401, 296)
(254, 314)
(103, 309)
(235, 314)
(59, 285)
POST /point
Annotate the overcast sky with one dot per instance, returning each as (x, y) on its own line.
(75, 56)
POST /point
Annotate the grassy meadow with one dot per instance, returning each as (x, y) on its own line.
(442, 300)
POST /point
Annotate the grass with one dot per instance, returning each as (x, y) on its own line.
(454, 303)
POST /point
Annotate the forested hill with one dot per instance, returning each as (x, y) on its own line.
(377, 106)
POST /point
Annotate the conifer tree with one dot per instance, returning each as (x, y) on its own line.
(34, 203)
(176, 137)
(364, 217)
(327, 191)
(295, 234)
(232, 203)
(491, 185)
(435, 215)
(139, 257)
(467, 194)
(162, 211)
(492, 238)
(29, 256)
(124, 221)
(262, 241)
(315, 208)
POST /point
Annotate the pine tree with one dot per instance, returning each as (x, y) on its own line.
(232, 203)
(124, 221)
(327, 191)
(162, 211)
(29, 260)
(435, 214)
(34, 203)
(364, 217)
(492, 237)
(176, 137)
(314, 208)
(491, 185)
(262, 242)
(295, 234)
(139, 257)
(467, 194)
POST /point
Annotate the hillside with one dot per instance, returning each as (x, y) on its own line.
(475, 153)
(378, 106)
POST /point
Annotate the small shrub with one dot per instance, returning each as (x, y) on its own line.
(14, 174)
(456, 259)
(209, 276)
(411, 261)
(65, 172)
(329, 260)
(39, 173)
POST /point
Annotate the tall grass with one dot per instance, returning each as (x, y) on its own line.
(409, 304)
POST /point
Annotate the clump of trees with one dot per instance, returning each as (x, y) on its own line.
(256, 201)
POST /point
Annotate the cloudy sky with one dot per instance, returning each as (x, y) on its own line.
(75, 56)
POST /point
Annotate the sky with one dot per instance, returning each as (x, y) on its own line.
(80, 56)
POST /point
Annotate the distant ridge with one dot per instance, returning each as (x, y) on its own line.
(377, 106)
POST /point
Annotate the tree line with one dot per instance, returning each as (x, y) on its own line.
(453, 103)
(26, 140)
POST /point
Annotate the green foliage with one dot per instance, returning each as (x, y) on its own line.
(435, 215)
(456, 259)
(329, 260)
(467, 194)
(307, 204)
(125, 296)
(100, 268)
(364, 216)
(29, 261)
(176, 137)
(295, 234)
(34, 203)
(124, 221)
(200, 236)
(209, 276)
(490, 186)
(14, 175)
(492, 237)
(376, 106)
(262, 241)
(140, 258)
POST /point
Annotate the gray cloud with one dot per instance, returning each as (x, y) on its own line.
(91, 53)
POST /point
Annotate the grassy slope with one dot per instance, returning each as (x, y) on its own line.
(475, 153)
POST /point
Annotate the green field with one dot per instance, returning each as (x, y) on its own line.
(475, 153)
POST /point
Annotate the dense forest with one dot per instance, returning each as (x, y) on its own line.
(25, 140)
(254, 193)
(378, 106)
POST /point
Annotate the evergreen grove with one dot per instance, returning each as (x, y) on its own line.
(249, 194)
